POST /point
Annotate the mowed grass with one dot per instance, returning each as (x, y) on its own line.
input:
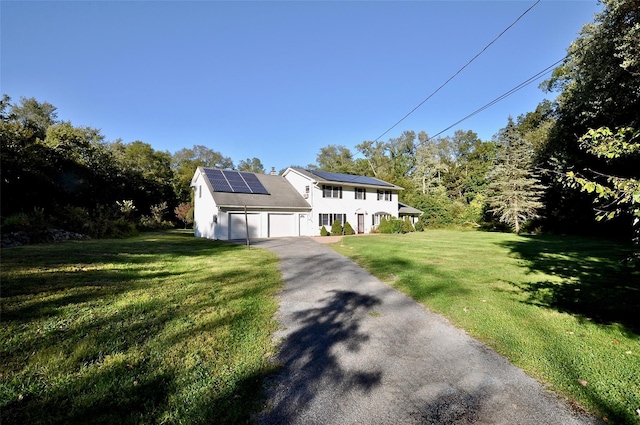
(562, 308)
(162, 328)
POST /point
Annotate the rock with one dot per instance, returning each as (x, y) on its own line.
(21, 238)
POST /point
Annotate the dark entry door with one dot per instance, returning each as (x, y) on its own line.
(360, 223)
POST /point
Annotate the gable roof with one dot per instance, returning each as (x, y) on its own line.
(406, 209)
(324, 177)
(282, 194)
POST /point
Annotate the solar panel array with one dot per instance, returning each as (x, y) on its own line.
(234, 182)
(349, 178)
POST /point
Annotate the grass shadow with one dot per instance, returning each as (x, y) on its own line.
(592, 282)
(142, 330)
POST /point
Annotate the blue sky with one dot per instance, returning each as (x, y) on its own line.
(279, 80)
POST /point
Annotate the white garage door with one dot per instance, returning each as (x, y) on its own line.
(282, 225)
(238, 230)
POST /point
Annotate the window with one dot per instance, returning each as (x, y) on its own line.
(384, 195)
(331, 191)
(375, 219)
(328, 219)
(306, 190)
(361, 193)
(200, 191)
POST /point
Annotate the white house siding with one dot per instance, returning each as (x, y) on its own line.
(205, 211)
(348, 204)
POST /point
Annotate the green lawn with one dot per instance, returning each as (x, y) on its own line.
(562, 308)
(162, 328)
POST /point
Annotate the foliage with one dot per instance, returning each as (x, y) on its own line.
(436, 208)
(155, 220)
(348, 229)
(253, 165)
(599, 86)
(562, 308)
(184, 213)
(338, 159)
(323, 231)
(148, 174)
(126, 207)
(392, 225)
(515, 190)
(336, 228)
(407, 226)
(164, 328)
(614, 195)
(34, 221)
(419, 226)
(185, 162)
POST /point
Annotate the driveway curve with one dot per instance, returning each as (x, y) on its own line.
(354, 350)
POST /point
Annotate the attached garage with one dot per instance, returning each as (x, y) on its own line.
(281, 225)
(222, 198)
(238, 226)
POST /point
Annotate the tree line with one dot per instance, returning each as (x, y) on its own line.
(61, 175)
(571, 165)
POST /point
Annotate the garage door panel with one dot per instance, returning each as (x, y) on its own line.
(281, 225)
(237, 228)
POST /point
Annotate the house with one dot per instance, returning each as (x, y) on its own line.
(405, 210)
(361, 201)
(231, 204)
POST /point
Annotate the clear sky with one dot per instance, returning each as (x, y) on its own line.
(278, 80)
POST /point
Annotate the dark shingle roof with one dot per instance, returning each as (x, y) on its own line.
(282, 195)
(350, 179)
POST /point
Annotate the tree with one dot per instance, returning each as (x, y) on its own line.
(599, 86)
(514, 189)
(615, 195)
(334, 158)
(147, 172)
(185, 162)
(253, 165)
(35, 116)
(184, 213)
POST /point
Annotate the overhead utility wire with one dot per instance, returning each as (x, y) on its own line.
(458, 72)
(503, 96)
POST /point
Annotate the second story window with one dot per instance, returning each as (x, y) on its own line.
(331, 191)
(361, 193)
(384, 195)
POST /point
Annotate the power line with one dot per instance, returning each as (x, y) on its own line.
(496, 100)
(502, 96)
(458, 72)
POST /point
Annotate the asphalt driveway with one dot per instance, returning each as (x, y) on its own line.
(356, 351)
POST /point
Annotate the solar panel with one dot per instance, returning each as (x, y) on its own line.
(254, 184)
(217, 180)
(349, 178)
(234, 181)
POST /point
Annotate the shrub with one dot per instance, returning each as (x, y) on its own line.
(323, 231)
(407, 226)
(73, 219)
(15, 223)
(348, 230)
(155, 220)
(336, 228)
(32, 222)
(393, 225)
(419, 226)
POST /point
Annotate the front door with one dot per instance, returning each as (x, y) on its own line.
(360, 223)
